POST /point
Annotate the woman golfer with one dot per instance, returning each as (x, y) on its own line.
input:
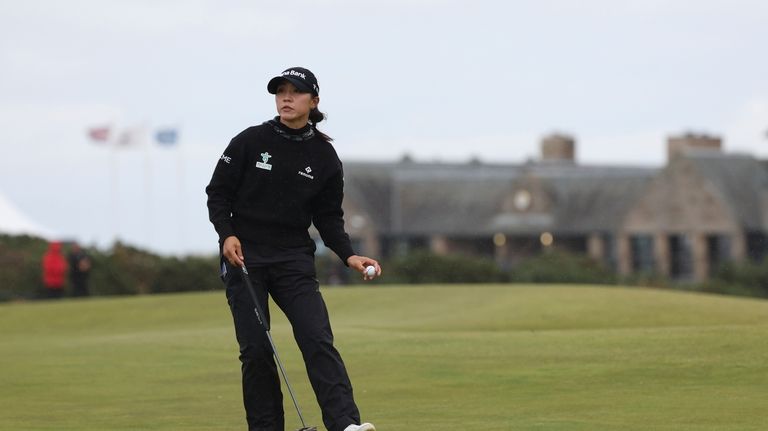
(272, 181)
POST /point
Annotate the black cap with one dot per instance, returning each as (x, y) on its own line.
(300, 77)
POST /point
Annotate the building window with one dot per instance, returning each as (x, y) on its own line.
(573, 244)
(757, 246)
(412, 244)
(680, 257)
(642, 253)
(718, 251)
(609, 251)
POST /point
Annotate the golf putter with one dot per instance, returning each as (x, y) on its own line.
(261, 317)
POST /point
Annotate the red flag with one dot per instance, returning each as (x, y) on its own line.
(99, 134)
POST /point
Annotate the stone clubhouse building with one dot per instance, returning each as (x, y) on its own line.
(683, 220)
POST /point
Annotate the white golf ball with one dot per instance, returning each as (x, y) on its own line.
(370, 271)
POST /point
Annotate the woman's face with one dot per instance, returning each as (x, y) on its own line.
(294, 106)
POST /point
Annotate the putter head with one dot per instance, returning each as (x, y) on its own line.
(308, 429)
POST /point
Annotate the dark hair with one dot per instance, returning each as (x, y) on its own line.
(315, 116)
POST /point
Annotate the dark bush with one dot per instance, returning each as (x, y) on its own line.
(121, 270)
(187, 274)
(425, 267)
(21, 267)
(561, 267)
(744, 279)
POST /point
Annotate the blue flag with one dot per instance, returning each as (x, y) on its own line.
(167, 137)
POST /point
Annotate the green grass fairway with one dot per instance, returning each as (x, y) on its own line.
(429, 358)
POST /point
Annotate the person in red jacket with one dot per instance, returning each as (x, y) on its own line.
(54, 270)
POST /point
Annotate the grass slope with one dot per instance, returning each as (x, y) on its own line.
(427, 358)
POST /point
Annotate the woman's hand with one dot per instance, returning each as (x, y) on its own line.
(232, 251)
(359, 263)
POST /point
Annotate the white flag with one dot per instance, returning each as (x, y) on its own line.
(131, 137)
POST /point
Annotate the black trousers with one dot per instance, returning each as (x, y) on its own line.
(294, 288)
(79, 285)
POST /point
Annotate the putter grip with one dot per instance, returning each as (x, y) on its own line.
(257, 308)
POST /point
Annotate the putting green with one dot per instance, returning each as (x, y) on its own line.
(484, 357)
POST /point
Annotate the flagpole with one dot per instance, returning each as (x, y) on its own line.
(103, 135)
(180, 192)
(113, 193)
(169, 137)
(148, 195)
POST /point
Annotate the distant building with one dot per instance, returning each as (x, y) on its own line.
(702, 209)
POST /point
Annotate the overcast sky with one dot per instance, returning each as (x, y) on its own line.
(440, 80)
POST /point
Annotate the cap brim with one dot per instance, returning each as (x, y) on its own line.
(277, 80)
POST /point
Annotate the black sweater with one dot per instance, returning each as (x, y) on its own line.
(272, 182)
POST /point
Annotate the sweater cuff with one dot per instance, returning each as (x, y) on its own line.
(224, 229)
(344, 252)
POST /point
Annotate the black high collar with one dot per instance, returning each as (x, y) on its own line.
(304, 134)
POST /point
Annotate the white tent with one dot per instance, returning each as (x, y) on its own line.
(13, 222)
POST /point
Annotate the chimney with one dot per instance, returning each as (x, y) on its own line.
(680, 145)
(558, 148)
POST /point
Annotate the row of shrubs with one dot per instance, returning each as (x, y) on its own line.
(120, 270)
(743, 279)
(126, 270)
(555, 267)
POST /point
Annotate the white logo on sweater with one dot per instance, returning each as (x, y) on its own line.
(306, 174)
(263, 164)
